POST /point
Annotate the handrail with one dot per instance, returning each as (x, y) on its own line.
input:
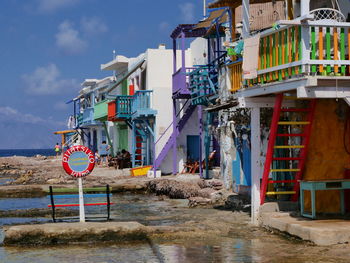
(171, 122)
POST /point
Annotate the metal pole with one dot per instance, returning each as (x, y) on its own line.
(245, 18)
(174, 56)
(200, 126)
(204, 8)
(81, 201)
(175, 133)
(183, 52)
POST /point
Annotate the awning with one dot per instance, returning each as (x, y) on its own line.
(233, 3)
(123, 76)
(65, 132)
(208, 21)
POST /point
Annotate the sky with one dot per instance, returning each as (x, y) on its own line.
(48, 47)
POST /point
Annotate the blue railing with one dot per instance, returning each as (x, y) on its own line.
(88, 116)
(203, 82)
(136, 105)
(124, 103)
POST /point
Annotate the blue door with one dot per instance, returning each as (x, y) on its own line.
(94, 141)
(193, 147)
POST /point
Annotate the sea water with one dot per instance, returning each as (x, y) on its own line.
(26, 152)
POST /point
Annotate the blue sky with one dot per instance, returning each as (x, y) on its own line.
(48, 47)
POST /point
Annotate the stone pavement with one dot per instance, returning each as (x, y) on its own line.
(321, 232)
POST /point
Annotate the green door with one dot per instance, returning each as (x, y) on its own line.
(123, 138)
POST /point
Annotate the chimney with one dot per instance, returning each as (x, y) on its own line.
(161, 46)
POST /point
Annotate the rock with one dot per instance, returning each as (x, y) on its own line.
(53, 181)
(216, 197)
(64, 233)
(214, 183)
(238, 203)
(198, 201)
(173, 188)
(206, 192)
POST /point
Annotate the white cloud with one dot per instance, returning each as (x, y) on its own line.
(46, 81)
(187, 12)
(93, 26)
(9, 113)
(68, 39)
(164, 26)
(49, 6)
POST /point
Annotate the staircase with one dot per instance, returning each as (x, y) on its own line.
(203, 82)
(285, 156)
(141, 144)
(169, 144)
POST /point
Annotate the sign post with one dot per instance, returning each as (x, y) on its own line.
(79, 161)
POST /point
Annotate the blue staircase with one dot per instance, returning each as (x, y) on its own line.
(140, 117)
(203, 82)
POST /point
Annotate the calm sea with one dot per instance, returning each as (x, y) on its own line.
(26, 152)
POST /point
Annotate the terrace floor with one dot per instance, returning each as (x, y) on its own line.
(323, 232)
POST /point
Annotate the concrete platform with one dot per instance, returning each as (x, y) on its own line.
(63, 233)
(320, 232)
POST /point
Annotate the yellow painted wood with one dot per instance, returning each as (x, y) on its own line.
(293, 122)
(281, 193)
(289, 146)
(285, 170)
(335, 47)
(320, 47)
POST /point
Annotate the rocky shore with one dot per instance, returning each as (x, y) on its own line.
(32, 176)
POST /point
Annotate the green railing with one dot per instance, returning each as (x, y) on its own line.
(101, 110)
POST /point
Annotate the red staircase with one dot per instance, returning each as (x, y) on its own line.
(278, 120)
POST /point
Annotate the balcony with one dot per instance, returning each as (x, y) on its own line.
(136, 106)
(88, 117)
(180, 84)
(295, 50)
(101, 110)
(79, 119)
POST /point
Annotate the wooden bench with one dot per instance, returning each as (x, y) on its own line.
(314, 186)
(72, 193)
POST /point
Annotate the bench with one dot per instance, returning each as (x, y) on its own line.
(314, 186)
(73, 193)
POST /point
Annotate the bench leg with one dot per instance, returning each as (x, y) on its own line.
(52, 204)
(108, 202)
(301, 201)
(342, 203)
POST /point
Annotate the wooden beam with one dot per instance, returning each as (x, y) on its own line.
(65, 131)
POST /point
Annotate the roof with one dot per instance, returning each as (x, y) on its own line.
(120, 63)
(262, 15)
(89, 82)
(233, 3)
(208, 21)
(188, 30)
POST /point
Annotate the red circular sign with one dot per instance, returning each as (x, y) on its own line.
(78, 161)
